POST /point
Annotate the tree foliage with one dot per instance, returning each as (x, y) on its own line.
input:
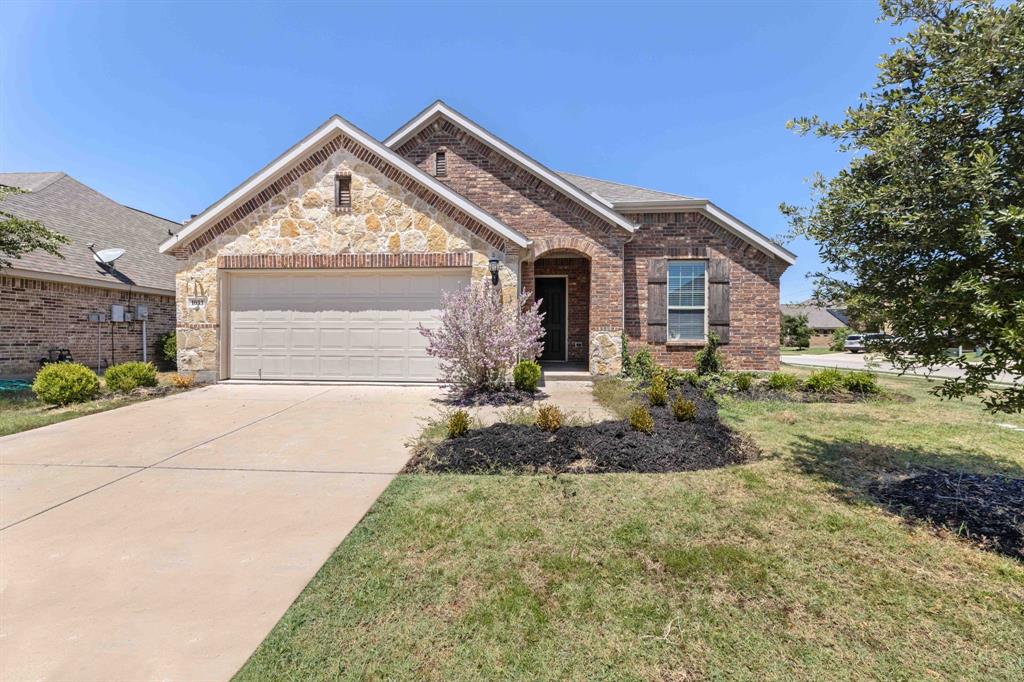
(794, 331)
(922, 234)
(480, 338)
(19, 236)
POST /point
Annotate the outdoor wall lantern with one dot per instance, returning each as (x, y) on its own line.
(492, 265)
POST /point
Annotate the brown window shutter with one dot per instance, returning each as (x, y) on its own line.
(657, 300)
(718, 297)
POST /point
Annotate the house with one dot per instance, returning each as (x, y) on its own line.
(48, 303)
(323, 264)
(823, 320)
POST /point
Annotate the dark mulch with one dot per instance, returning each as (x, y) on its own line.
(507, 396)
(605, 447)
(987, 509)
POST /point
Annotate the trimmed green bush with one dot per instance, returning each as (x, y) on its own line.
(168, 348)
(684, 410)
(657, 394)
(128, 376)
(825, 381)
(457, 423)
(642, 367)
(641, 420)
(861, 382)
(709, 360)
(743, 381)
(780, 381)
(550, 418)
(63, 383)
(526, 375)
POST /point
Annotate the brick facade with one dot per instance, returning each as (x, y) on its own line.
(559, 226)
(753, 288)
(36, 315)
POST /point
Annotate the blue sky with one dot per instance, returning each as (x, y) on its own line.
(166, 107)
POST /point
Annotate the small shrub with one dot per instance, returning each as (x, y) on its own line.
(63, 383)
(780, 381)
(642, 366)
(641, 420)
(167, 346)
(183, 380)
(684, 410)
(743, 381)
(825, 381)
(626, 360)
(657, 394)
(526, 375)
(457, 423)
(838, 340)
(709, 359)
(861, 382)
(690, 377)
(128, 376)
(550, 418)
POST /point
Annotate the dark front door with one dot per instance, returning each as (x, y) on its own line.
(551, 292)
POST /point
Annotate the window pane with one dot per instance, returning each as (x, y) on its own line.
(685, 283)
(685, 324)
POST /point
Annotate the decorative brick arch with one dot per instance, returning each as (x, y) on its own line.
(581, 245)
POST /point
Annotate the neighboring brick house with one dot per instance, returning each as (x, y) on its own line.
(324, 263)
(46, 302)
(822, 320)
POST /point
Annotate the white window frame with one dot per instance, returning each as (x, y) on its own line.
(669, 307)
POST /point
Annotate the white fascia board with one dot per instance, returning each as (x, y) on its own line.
(439, 109)
(718, 215)
(282, 163)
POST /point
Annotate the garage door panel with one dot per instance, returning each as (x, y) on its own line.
(355, 325)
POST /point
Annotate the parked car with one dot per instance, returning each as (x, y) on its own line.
(857, 343)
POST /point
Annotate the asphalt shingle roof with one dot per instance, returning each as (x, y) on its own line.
(85, 216)
(616, 192)
(817, 317)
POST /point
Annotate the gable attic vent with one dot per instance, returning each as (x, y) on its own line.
(343, 191)
(441, 163)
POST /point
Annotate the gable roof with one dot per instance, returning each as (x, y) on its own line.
(439, 110)
(85, 216)
(616, 192)
(817, 316)
(297, 152)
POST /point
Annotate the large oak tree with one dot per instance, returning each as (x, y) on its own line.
(922, 234)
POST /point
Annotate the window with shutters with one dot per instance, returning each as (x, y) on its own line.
(343, 191)
(441, 163)
(687, 296)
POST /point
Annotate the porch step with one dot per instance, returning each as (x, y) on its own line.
(550, 375)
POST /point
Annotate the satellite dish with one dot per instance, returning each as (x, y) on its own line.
(107, 256)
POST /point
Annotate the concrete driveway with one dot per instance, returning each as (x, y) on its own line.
(164, 540)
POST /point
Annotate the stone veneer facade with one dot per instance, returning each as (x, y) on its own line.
(298, 227)
(38, 314)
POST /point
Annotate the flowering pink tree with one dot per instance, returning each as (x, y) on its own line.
(480, 338)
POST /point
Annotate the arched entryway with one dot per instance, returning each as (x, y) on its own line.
(560, 275)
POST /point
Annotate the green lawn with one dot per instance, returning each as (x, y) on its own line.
(786, 350)
(779, 569)
(20, 411)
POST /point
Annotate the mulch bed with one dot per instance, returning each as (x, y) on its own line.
(605, 447)
(986, 509)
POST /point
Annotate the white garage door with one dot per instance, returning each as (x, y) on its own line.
(359, 325)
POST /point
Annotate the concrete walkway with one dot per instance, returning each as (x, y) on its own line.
(165, 539)
(875, 364)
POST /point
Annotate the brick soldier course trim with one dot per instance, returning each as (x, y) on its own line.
(342, 261)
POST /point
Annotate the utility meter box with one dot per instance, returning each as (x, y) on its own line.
(141, 312)
(117, 313)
